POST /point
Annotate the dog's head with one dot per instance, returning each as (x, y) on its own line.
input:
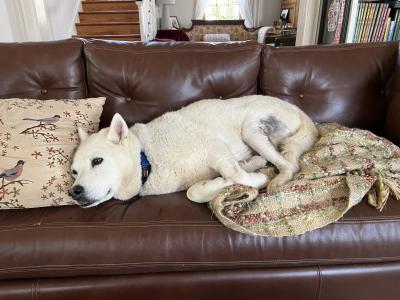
(106, 165)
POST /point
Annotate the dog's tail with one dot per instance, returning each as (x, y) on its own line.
(301, 141)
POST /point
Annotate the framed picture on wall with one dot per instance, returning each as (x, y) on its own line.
(175, 22)
(285, 15)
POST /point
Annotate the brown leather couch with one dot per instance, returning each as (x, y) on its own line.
(166, 247)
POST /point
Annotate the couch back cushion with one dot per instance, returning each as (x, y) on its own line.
(51, 70)
(142, 81)
(392, 125)
(348, 84)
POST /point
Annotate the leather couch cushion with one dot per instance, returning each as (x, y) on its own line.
(347, 84)
(168, 233)
(142, 81)
(220, 285)
(51, 70)
(392, 128)
(355, 282)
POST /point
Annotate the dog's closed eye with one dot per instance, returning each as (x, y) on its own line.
(96, 161)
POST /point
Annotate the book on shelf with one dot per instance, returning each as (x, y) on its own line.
(345, 22)
(359, 21)
(339, 27)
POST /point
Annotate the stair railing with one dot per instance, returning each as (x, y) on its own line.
(148, 19)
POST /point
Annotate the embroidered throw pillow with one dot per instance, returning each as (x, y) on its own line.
(37, 140)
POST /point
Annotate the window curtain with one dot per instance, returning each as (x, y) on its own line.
(200, 9)
(251, 11)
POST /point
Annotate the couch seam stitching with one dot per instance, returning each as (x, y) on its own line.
(330, 48)
(32, 289)
(37, 289)
(319, 282)
(34, 227)
(157, 264)
(133, 51)
(162, 224)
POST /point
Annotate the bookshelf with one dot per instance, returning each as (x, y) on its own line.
(359, 21)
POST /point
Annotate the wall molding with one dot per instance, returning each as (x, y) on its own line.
(308, 22)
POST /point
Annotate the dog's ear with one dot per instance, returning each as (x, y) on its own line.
(118, 129)
(82, 133)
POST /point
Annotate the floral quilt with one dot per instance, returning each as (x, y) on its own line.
(345, 166)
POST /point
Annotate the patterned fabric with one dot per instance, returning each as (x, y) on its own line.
(343, 167)
(235, 32)
(37, 140)
(216, 37)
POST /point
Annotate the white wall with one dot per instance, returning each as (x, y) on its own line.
(271, 12)
(6, 34)
(184, 10)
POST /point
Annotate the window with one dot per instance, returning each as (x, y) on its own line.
(222, 10)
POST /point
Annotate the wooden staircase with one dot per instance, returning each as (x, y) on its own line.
(112, 19)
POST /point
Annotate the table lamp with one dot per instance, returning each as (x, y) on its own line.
(165, 17)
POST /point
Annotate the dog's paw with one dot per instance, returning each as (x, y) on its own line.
(278, 181)
(196, 192)
(253, 164)
(259, 180)
(206, 190)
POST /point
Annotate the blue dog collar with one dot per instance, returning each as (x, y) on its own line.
(146, 166)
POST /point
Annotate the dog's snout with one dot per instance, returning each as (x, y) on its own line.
(77, 192)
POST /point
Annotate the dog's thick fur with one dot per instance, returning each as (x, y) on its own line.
(191, 147)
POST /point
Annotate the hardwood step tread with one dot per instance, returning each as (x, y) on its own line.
(107, 23)
(121, 37)
(107, 35)
(104, 29)
(108, 1)
(88, 6)
(109, 12)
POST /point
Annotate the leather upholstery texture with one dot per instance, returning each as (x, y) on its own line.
(166, 247)
(360, 282)
(392, 129)
(142, 81)
(51, 70)
(347, 84)
(168, 233)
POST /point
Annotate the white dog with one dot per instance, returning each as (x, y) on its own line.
(190, 148)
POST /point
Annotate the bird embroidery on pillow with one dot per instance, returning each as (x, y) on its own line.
(13, 173)
(42, 129)
(50, 120)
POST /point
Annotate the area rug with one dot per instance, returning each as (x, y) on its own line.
(345, 166)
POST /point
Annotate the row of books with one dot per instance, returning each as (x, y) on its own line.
(375, 23)
(356, 21)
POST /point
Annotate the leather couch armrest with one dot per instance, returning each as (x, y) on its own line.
(392, 122)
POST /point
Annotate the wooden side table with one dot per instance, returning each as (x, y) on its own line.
(281, 40)
(172, 34)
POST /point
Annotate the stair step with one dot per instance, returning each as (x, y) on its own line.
(120, 37)
(108, 28)
(109, 16)
(108, 5)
